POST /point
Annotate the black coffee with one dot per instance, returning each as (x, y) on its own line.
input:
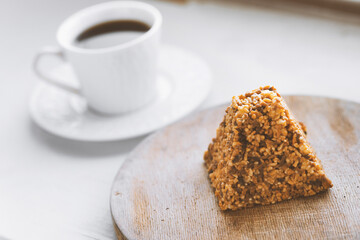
(111, 33)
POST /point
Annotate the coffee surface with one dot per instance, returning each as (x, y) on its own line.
(111, 33)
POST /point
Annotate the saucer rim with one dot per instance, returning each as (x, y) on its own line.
(41, 85)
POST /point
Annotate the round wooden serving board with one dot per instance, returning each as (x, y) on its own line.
(163, 192)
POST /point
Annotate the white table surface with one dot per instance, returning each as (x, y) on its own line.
(52, 188)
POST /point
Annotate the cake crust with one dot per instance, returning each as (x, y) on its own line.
(260, 154)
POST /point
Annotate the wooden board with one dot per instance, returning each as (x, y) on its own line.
(162, 191)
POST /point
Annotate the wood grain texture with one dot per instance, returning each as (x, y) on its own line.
(163, 192)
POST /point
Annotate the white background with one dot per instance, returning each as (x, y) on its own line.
(52, 188)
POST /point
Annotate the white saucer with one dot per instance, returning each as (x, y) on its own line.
(184, 81)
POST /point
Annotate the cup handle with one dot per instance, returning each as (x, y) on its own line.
(54, 52)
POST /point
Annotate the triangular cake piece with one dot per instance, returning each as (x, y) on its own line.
(261, 155)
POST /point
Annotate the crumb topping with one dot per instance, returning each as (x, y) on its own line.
(261, 155)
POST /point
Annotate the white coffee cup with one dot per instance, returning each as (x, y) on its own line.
(115, 79)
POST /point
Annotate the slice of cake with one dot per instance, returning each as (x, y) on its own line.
(261, 155)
